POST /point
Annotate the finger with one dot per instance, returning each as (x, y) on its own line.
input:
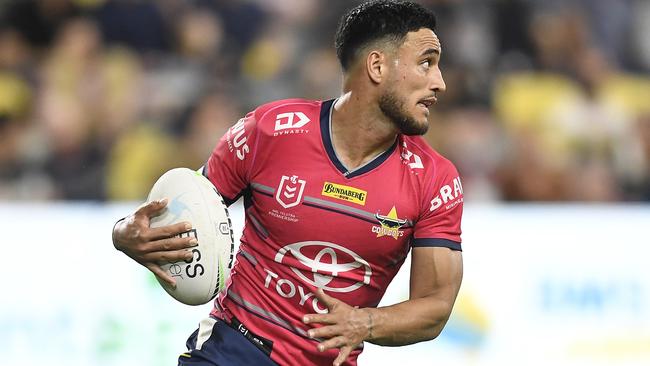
(329, 301)
(319, 319)
(160, 273)
(153, 208)
(336, 342)
(343, 355)
(170, 244)
(325, 332)
(167, 231)
(167, 256)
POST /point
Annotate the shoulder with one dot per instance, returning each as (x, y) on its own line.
(439, 178)
(440, 175)
(270, 111)
(280, 116)
(419, 154)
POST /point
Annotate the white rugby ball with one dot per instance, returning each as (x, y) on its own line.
(193, 198)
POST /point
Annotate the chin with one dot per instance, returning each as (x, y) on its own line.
(415, 127)
(408, 122)
(423, 119)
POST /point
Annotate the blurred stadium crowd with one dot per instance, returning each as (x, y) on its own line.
(546, 100)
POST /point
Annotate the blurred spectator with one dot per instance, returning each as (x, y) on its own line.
(20, 175)
(133, 23)
(15, 53)
(202, 125)
(137, 159)
(70, 98)
(639, 30)
(38, 21)
(641, 190)
(472, 138)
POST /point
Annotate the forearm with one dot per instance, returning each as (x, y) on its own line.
(408, 322)
(436, 275)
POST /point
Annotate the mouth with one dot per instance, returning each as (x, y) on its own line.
(428, 102)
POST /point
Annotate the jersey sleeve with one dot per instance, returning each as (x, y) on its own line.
(440, 222)
(230, 163)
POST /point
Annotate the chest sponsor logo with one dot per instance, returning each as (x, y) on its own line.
(290, 123)
(389, 225)
(345, 193)
(320, 264)
(290, 190)
(450, 195)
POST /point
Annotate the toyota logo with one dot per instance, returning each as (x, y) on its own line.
(322, 262)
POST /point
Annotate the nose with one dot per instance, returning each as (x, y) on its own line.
(437, 81)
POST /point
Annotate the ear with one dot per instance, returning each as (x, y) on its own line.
(376, 66)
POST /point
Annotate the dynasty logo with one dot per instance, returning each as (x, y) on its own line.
(345, 193)
(390, 224)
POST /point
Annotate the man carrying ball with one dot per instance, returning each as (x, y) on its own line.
(336, 194)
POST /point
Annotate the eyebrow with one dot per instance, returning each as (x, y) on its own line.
(431, 51)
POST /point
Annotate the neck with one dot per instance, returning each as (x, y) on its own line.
(360, 131)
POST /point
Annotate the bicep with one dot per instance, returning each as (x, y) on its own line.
(436, 271)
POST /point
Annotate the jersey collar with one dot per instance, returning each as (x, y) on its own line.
(326, 110)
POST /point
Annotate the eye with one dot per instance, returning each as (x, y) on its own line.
(425, 64)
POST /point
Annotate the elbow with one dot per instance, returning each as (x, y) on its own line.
(434, 328)
(432, 332)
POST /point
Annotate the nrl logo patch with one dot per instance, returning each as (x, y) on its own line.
(345, 193)
(290, 190)
(390, 225)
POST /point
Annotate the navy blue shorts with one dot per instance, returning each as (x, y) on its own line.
(216, 343)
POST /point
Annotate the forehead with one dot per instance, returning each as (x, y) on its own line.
(422, 40)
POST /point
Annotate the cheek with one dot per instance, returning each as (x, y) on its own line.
(416, 86)
(410, 80)
(406, 85)
(413, 80)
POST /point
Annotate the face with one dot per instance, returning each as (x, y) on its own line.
(414, 80)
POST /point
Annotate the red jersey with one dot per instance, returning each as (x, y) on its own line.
(311, 222)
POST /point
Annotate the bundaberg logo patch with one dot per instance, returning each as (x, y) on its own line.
(345, 193)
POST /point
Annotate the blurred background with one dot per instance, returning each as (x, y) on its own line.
(546, 116)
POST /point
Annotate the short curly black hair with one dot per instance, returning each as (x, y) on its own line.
(378, 20)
